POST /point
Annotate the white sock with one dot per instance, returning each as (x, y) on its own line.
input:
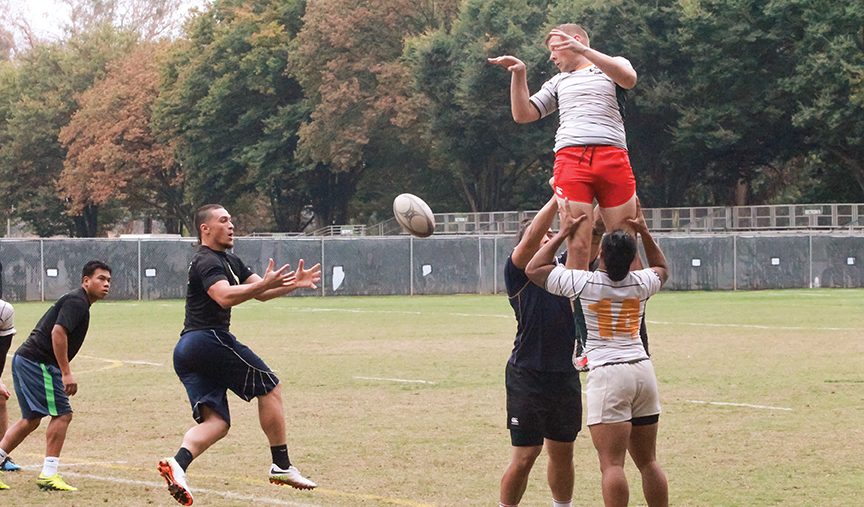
(50, 466)
(3, 455)
(556, 503)
(505, 505)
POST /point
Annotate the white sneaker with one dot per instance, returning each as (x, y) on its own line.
(290, 477)
(174, 475)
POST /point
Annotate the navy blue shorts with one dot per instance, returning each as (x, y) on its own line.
(5, 345)
(209, 362)
(39, 387)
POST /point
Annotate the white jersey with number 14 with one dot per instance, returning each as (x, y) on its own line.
(613, 310)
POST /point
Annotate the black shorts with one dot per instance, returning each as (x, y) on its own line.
(210, 362)
(542, 405)
(5, 344)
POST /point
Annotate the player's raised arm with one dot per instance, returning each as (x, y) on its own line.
(543, 262)
(617, 68)
(227, 295)
(520, 105)
(655, 256)
(534, 234)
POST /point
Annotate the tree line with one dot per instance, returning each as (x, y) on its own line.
(303, 113)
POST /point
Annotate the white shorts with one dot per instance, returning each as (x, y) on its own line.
(621, 392)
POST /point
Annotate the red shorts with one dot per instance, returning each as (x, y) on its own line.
(585, 172)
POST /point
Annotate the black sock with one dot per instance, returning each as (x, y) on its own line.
(280, 456)
(183, 458)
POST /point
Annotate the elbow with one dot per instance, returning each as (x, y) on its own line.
(628, 82)
(223, 303)
(534, 274)
(521, 119)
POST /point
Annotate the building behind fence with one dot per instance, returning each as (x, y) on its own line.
(147, 269)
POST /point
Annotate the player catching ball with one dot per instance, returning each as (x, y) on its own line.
(591, 158)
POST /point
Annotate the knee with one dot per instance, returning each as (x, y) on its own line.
(221, 428)
(524, 460)
(31, 424)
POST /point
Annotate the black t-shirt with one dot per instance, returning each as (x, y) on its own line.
(546, 332)
(72, 312)
(208, 267)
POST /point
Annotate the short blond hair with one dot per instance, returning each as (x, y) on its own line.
(570, 29)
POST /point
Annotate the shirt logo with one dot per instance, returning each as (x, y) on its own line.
(514, 421)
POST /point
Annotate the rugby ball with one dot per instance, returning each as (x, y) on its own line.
(414, 215)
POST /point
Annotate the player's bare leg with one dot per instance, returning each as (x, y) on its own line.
(515, 478)
(559, 471)
(271, 415)
(611, 441)
(579, 244)
(643, 445)
(615, 218)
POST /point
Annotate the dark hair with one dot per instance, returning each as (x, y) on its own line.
(201, 216)
(92, 266)
(523, 226)
(618, 250)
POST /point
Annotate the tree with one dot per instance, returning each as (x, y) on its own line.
(347, 59)
(150, 19)
(828, 104)
(233, 111)
(48, 78)
(493, 162)
(112, 154)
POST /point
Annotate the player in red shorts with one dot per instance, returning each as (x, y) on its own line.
(591, 160)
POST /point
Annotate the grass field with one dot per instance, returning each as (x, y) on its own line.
(763, 398)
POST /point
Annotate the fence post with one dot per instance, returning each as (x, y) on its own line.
(42, 269)
(734, 262)
(411, 265)
(139, 269)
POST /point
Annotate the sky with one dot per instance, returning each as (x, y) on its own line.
(47, 17)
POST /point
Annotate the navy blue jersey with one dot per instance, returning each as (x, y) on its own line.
(208, 267)
(546, 332)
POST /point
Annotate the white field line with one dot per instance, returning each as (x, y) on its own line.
(401, 312)
(406, 381)
(751, 326)
(160, 485)
(745, 405)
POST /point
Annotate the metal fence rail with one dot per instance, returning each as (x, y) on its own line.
(693, 219)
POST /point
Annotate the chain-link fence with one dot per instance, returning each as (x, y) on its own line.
(44, 269)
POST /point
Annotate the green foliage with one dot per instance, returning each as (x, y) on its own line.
(471, 134)
(41, 101)
(232, 110)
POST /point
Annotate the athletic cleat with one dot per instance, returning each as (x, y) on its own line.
(9, 466)
(290, 477)
(3, 486)
(581, 363)
(53, 483)
(174, 475)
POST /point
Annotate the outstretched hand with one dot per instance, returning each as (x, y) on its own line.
(308, 278)
(511, 63)
(4, 392)
(274, 278)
